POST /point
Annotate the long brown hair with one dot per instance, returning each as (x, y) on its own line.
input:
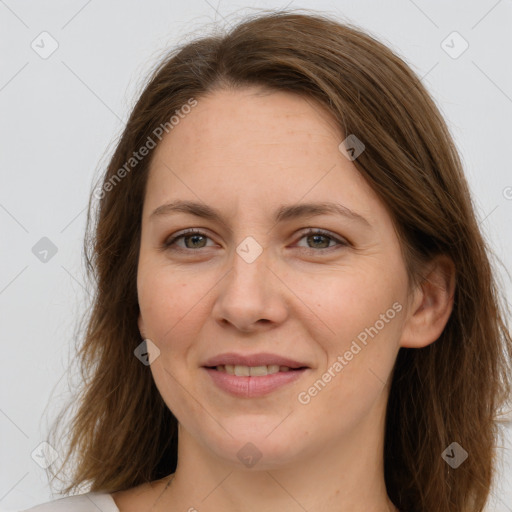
(122, 434)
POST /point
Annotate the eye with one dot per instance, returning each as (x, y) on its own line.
(198, 240)
(313, 235)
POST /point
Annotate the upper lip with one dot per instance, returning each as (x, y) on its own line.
(262, 359)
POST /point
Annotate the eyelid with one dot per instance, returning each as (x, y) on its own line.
(323, 232)
(169, 242)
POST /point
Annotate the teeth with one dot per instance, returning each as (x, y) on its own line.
(252, 371)
(242, 371)
(258, 371)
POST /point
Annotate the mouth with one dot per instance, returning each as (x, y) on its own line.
(252, 376)
(253, 371)
(261, 374)
(232, 362)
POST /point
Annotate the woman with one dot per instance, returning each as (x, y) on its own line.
(295, 307)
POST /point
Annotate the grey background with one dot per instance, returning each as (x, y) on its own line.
(61, 115)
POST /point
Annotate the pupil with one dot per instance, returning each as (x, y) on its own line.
(195, 237)
(317, 237)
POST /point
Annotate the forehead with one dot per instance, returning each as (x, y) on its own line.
(240, 123)
(252, 146)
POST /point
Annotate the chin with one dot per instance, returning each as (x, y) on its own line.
(261, 443)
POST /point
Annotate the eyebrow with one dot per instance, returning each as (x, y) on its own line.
(284, 213)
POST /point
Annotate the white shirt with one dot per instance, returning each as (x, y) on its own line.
(88, 502)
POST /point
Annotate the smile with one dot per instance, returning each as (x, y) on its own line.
(252, 371)
(253, 381)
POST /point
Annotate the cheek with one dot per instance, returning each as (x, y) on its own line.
(170, 320)
(364, 310)
(353, 380)
(167, 302)
(354, 298)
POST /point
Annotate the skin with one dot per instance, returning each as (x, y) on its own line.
(246, 153)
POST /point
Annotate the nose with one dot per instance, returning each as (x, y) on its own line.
(251, 296)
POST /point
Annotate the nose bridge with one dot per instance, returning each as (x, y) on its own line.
(250, 267)
(249, 292)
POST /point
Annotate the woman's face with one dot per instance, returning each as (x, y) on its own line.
(255, 285)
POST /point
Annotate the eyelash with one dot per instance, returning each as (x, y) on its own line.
(191, 232)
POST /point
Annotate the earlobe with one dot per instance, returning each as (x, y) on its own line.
(432, 305)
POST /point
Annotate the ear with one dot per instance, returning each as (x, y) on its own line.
(431, 306)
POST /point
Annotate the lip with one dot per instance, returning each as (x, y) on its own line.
(262, 359)
(253, 387)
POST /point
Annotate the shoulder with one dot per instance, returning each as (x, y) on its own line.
(141, 497)
(89, 502)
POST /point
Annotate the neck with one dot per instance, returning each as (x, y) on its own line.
(347, 476)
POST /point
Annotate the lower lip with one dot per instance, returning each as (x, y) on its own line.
(251, 387)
